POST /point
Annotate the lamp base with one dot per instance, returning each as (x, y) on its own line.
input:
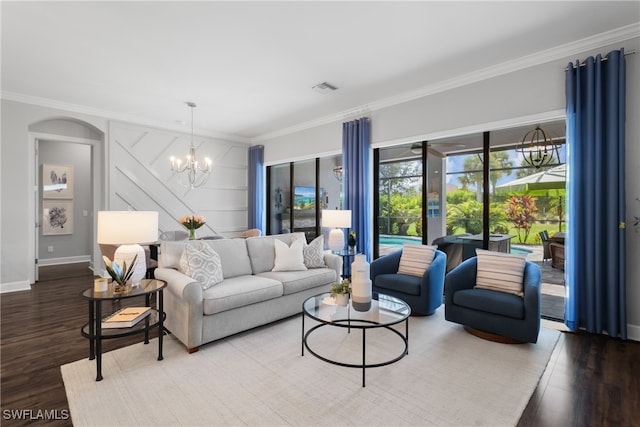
(125, 253)
(336, 240)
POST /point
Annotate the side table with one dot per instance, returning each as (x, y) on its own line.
(345, 254)
(93, 331)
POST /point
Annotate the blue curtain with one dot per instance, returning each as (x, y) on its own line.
(255, 206)
(595, 92)
(356, 180)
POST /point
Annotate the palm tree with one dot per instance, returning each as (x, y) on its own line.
(473, 165)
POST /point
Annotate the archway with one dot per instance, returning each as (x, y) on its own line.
(76, 149)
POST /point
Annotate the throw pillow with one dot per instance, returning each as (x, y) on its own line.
(202, 263)
(415, 259)
(289, 258)
(314, 253)
(499, 271)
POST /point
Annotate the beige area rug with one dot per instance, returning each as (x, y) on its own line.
(259, 378)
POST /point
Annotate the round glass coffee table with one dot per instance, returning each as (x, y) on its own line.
(385, 312)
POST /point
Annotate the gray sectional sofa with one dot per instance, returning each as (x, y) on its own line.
(250, 294)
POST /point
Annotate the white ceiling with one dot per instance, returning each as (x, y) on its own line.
(250, 66)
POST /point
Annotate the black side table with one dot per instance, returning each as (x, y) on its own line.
(93, 328)
(345, 254)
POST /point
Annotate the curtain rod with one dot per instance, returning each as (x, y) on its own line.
(604, 59)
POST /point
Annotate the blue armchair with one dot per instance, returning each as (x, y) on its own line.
(423, 294)
(497, 313)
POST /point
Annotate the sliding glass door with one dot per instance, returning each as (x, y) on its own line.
(298, 191)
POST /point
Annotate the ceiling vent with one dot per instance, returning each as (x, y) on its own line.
(324, 88)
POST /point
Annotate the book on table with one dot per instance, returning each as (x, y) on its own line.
(125, 317)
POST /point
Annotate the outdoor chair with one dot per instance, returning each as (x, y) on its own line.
(546, 252)
(557, 255)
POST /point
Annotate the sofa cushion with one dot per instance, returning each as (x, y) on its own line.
(499, 271)
(289, 258)
(415, 259)
(297, 281)
(170, 254)
(500, 303)
(233, 255)
(238, 292)
(262, 250)
(314, 253)
(202, 263)
(404, 283)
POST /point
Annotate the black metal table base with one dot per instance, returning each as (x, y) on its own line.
(93, 331)
(347, 323)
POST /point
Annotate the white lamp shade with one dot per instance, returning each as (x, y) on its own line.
(127, 227)
(336, 218)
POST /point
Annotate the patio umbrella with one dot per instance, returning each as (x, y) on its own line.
(546, 183)
(538, 183)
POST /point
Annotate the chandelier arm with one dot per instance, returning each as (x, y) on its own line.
(196, 174)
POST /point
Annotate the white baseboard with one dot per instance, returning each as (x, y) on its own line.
(66, 260)
(15, 286)
(633, 332)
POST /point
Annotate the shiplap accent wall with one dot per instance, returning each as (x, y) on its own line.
(140, 177)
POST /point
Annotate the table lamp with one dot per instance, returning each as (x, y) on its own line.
(128, 229)
(336, 219)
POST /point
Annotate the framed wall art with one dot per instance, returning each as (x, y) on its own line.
(57, 217)
(57, 181)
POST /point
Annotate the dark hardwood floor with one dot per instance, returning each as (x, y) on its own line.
(591, 380)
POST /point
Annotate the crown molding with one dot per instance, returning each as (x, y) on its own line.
(556, 53)
(111, 115)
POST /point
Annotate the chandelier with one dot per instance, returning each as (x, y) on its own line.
(196, 174)
(538, 148)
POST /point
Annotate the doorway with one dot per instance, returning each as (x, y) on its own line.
(67, 159)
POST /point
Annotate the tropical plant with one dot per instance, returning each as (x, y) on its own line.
(521, 211)
(120, 275)
(465, 216)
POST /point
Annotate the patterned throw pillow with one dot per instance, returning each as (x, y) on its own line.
(500, 271)
(314, 253)
(289, 258)
(416, 259)
(202, 263)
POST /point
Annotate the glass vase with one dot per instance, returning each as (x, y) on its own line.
(192, 234)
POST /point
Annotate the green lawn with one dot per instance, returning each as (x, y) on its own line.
(533, 238)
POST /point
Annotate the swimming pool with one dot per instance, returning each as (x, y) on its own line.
(400, 240)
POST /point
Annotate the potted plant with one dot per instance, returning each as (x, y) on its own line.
(352, 240)
(120, 275)
(340, 292)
